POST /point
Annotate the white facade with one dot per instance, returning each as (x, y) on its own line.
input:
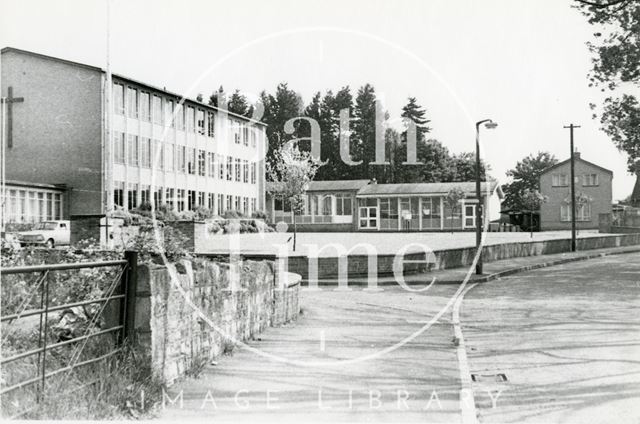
(169, 150)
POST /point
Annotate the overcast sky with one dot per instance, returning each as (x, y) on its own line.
(522, 63)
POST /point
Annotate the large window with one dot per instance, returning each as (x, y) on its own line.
(169, 197)
(168, 112)
(211, 164)
(220, 209)
(583, 212)
(132, 150)
(200, 121)
(145, 106)
(180, 200)
(191, 117)
(229, 168)
(431, 212)
(179, 116)
(343, 204)
(221, 166)
(157, 109)
(157, 198)
(118, 147)
(118, 98)
(238, 171)
(158, 154)
(132, 195)
(245, 171)
(202, 164)
(182, 159)
(145, 194)
(191, 200)
(211, 124)
(559, 180)
(211, 201)
(235, 128)
(145, 152)
(191, 160)
(245, 135)
(171, 151)
(253, 173)
(229, 202)
(132, 102)
(590, 180)
(118, 193)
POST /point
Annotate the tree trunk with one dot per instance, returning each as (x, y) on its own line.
(294, 231)
(531, 222)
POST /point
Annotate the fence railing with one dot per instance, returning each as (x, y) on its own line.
(122, 289)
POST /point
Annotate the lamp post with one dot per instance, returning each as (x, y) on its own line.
(489, 124)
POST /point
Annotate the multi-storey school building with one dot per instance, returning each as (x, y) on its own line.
(90, 143)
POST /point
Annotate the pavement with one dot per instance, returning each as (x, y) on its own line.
(565, 337)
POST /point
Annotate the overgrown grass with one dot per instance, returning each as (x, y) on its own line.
(119, 387)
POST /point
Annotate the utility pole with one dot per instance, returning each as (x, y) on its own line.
(573, 188)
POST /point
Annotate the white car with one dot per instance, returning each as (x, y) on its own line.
(47, 233)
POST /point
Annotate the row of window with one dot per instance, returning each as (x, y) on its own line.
(133, 195)
(318, 205)
(141, 151)
(170, 112)
(562, 180)
(583, 212)
(32, 206)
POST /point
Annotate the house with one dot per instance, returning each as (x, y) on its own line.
(363, 205)
(592, 189)
(113, 141)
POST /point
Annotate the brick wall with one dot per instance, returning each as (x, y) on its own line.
(192, 312)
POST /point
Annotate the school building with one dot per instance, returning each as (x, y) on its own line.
(77, 141)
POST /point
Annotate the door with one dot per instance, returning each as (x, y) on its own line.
(368, 218)
(469, 216)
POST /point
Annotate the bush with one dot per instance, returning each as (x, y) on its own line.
(231, 214)
(172, 245)
(259, 215)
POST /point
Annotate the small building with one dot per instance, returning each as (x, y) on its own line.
(25, 202)
(593, 194)
(363, 205)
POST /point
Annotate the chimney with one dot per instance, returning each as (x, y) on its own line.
(576, 154)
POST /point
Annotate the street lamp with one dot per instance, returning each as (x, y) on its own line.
(489, 124)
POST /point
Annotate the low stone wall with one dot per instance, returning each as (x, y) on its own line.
(191, 312)
(358, 265)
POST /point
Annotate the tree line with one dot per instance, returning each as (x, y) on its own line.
(436, 162)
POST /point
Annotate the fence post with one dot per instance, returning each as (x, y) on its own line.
(128, 287)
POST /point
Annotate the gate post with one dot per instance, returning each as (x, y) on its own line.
(128, 287)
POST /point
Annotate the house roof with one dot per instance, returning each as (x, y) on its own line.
(27, 184)
(577, 158)
(425, 188)
(131, 80)
(336, 185)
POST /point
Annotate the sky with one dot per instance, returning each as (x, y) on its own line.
(522, 63)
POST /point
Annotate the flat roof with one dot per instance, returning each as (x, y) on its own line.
(27, 184)
(377, 190)
(133, 81)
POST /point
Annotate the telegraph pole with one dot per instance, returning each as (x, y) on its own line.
(573, 188)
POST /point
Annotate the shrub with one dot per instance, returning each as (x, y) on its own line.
(259, 215)
(172, 243)
(231, 214)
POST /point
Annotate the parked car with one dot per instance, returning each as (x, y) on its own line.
(47, 233)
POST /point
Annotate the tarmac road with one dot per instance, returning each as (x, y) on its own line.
(566, 337)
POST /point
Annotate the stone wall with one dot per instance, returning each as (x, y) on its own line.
(191, 312)
(357, 265)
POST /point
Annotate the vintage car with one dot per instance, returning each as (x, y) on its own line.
(47, 233)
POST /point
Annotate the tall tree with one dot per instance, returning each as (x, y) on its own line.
(278, 109)
(616, 70)
(239, 104)
(217, 97)
(525, 178)
(363, 140)
(462, 167)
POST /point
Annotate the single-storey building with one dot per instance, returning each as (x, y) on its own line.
(364, 205)
(593, 194)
